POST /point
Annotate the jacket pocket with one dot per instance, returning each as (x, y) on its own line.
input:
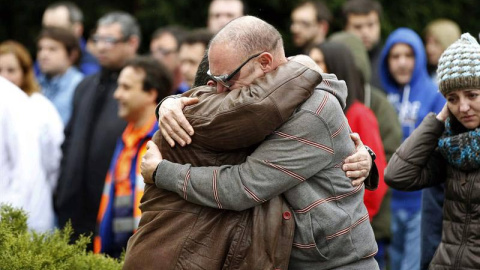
(309, 243)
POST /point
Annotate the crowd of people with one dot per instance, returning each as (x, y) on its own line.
(217, 150)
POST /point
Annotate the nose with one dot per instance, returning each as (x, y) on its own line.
(101, 45)
(116, 93)
(158, 56)
(402, 60)
(364, 30)
(464, 105)
(184, 68)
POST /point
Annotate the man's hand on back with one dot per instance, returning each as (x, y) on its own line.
(172, 123)
(357, 166)
(150, 161)
(175, 128)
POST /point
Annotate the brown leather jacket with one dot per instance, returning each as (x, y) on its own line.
(176, 234)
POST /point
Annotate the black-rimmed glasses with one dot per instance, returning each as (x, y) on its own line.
(223, 79)
(108, 40)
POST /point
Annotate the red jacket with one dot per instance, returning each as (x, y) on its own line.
(363, 121)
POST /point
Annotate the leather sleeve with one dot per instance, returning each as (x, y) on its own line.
(244, 117)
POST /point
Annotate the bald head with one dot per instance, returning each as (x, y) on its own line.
(248, 35)
(245, 49)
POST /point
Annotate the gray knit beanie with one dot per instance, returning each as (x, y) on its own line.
(459, 65)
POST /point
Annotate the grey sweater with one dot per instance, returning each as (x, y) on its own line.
(302, 160)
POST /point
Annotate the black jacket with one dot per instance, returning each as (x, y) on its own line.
(90, 139)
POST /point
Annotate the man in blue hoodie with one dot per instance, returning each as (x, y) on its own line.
(405, 79)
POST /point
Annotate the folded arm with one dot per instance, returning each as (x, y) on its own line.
(240, 117)
(416, 164)
(278, 164)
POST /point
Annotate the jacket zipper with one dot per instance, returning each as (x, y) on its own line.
(467, 221)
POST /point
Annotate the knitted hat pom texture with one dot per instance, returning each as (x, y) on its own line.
(459, 66)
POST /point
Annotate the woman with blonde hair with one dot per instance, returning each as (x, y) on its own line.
(438, 35)
(16, 66)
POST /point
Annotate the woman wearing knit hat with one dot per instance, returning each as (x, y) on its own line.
(445, 148)
(438, 35)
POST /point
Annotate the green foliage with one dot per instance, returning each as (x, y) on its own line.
(23, 249)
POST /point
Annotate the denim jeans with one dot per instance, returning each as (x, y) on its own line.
(405, 246)
(432, 218)
(380, 257)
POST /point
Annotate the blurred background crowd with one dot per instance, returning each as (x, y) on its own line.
(78, 63)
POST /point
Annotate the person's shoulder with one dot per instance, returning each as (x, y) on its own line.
(305, 61)
(74, 73)
(89, 80)
(44, 109)
(41, 102)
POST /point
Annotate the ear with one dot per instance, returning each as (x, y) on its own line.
(74, 55)
(266, 62)
(134, 42)
(152, 95)
(211, 83)
(324, 27)
(77, 29)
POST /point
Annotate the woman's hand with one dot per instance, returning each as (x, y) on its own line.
(442, 116)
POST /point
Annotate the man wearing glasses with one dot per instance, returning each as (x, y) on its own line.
(94, 127)
(302, 159)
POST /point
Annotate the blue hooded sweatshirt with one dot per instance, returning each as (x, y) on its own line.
(412, 101)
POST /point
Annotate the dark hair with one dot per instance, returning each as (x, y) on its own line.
(75, 15)
(178, 32)
(244, 6)
(339, 60)
(64, 36)
(201, 77)
(157, 76)
(201, 35)
(127, 22)
(360, 7)
(321, 9)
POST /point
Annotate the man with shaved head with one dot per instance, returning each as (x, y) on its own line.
(301, 159)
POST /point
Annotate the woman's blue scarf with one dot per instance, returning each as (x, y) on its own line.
(460, 146)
